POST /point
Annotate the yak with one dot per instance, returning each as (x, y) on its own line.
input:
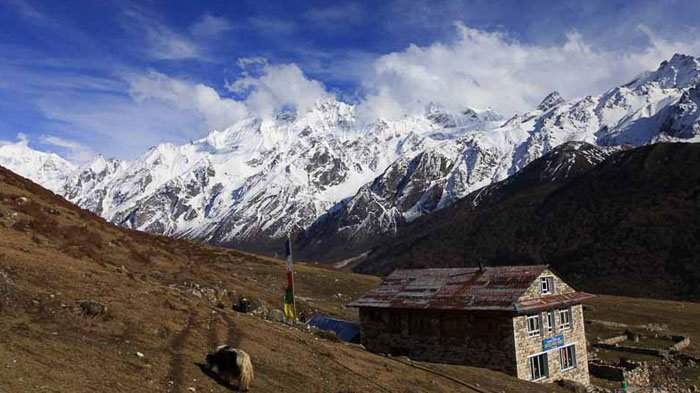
(231, 363)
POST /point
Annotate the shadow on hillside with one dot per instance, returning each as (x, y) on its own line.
(211, 374)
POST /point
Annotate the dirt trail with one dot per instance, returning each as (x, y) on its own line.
(233, 335)
(175, 377)
(214, 331)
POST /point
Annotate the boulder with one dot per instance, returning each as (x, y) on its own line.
(276, 315)
(91, 308)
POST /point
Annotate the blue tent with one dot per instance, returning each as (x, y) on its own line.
(345, 330)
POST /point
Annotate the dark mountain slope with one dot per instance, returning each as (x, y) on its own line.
(630, 225)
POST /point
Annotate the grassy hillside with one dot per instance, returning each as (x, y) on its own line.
(169, 301)
(628, 226)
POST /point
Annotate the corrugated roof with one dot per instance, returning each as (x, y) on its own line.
(552, 300)
(493, 288)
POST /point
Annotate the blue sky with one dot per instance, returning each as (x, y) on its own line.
(115, 77)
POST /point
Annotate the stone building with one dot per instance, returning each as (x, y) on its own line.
(522, 320)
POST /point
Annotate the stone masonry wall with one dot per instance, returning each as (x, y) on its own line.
(482, 339)
(533, 292)
(527, 346)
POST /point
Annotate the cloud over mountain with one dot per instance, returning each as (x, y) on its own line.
(477, 69)
(485, 69)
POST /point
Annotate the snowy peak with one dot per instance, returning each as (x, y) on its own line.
(469, 117)
(439, 115)
(681, 71)
(550, 101)
(100, 164)
(683, 119)
(47, 169)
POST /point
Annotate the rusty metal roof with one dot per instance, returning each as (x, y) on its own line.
(493, 288)
(545, 302)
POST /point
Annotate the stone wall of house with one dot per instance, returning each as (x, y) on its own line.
(533, 292)
(483, 339)
(527, 346)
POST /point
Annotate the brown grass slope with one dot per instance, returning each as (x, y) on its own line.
(629, 226)
(161, 298)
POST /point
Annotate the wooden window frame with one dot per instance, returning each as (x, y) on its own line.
(548, 317)
(563, 356)
(565, 311)
(547, 281)
(542, 366)
(533, 333)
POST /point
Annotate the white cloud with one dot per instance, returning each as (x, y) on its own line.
(277, 87)
(23, 138)
(77, 152)
(116, 125)
(210, 25)
(161, 41)
(254, 62)
(218, 112)
(283, 85)
(488, 69)
(479, 69)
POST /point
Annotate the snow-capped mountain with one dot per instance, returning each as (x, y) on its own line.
(249, 184)
(47, 169)
(658, 106)
(327, 174)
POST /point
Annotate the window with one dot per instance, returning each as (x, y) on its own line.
(547, 285)
(533, 325)
(564, 318)
(538, 367)
(567, 357)
(548, 321)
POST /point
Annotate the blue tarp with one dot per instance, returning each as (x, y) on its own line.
(345, 330)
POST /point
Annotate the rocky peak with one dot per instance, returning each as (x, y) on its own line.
(681, 71)
(101, 164)
(437, 114)
(550, 101)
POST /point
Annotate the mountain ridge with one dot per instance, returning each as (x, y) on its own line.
(324, 173)
(659, 106)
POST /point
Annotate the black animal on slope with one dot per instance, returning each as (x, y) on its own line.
(231, 363)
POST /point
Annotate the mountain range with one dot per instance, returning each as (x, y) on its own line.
(344, 185)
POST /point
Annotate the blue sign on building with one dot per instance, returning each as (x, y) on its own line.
(553, 342)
